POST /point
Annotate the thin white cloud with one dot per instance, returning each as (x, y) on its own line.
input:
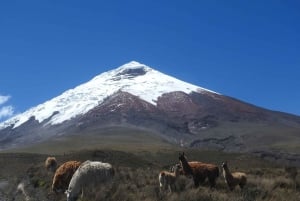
(4, 99)
(6, 111)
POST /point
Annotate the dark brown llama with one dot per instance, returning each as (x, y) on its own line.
(199, 171)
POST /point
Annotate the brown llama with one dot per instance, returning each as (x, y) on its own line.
(199, 171)
(51, 164)
(63, 176)
(235, 178)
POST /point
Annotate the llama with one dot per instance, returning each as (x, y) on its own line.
(168, 179)
(235, 178)
(292, 172)
(89, 172)
(21, 189)
(63, 176)
(199, 171)
(51, 164)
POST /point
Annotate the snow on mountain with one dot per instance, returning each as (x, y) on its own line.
(133, 77)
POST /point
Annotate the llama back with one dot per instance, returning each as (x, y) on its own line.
(205, 168)
(197, 167)
(241, 176)
(166, 177)
(92, 171)
(213, 169)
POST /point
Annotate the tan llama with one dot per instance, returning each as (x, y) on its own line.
(167, 180)
(235, 178)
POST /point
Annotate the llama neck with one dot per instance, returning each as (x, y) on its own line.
(176, 172)
(185, 165)
(226, 171)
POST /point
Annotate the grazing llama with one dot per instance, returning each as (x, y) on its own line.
(51, 164)
(63, 176)
(235, 178)
(88, 173)
(21, 189)
(292, 173)
(199, 171)
(167, 180)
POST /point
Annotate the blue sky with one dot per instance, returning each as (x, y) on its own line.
(249, 50)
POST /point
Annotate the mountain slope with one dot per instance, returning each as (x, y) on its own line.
(135, 96)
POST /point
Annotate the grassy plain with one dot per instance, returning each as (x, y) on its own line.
(137, 177)
(138, 159)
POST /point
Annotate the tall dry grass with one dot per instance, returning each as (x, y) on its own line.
(142, 184)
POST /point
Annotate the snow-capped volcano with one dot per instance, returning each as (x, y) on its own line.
(133, 77)
(134, 100)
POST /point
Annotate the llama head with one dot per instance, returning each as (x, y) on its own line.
(224, 164)
(174, 167)
(177, 168)
(69, 196)
(57, 184)
(182, 157)
(185, 165)
(51, 164)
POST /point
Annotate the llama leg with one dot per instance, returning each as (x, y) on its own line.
(196, 182)
(174, 188)
(212, 182)
(202, 180)
(170, 189)
(199, 179)
(82, 193)
(161, 189)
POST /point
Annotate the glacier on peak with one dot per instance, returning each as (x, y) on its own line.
(133, 77)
